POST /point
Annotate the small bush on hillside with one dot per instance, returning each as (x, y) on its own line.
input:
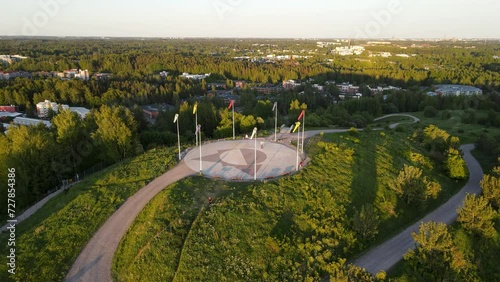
(430, 112)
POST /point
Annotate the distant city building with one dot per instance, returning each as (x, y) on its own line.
(9, 115)
(376, 90)
(457, 90)
(349, 50)
(30, 121)
(10, 59)
(10, 109)
(326, 44)
(267, 89)
(43, 108)
(290, 84)
(103, 75)
(239, 84)
(346, 87)
(195, 76)
(82, 112)
(14, 74)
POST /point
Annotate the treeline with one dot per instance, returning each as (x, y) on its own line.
(441, 63)
(465, 251)
(44, 157)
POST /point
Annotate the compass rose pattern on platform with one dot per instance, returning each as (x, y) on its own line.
(235, 160)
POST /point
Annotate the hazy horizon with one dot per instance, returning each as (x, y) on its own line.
(321, 19)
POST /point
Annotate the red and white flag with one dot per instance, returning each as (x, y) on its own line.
(231, 104)
(302, 114)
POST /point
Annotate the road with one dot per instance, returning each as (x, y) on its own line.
(394, 125)
(390, 252)
(94, 262)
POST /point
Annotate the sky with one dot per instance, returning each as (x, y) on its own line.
(252, 18)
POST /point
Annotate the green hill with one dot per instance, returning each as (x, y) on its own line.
(295, 228)
(49, 242)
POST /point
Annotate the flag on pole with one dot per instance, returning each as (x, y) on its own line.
(176, 118)
(195, 108)
(275, 106)
(301, 114)
(297, 125)
(198, 128)
(231, 104)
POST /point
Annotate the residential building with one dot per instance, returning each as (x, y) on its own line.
(103, 75)
(349, 50)
(457, 90)
(195, 76)
(290, 84)
(239, 83)
(43, 108)
(164, 74)
(346, 87)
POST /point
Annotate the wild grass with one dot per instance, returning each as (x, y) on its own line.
(49, 242)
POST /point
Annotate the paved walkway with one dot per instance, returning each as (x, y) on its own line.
(94, 262)
(386, 255)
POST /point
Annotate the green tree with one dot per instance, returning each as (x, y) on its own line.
(247, 124)
(491, 189)
(366, 222)
(412, 187)
(430, 112)
(435, 257)
(116, 129)
(455, 165)
(477, 216)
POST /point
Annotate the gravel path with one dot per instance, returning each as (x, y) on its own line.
(94, 262)
(391, 252)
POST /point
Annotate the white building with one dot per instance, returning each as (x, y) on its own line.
(457, 90)
(30, 121)
(43, 108)
(349, 51)
(195, 76)
(82, 112)
(290, 84)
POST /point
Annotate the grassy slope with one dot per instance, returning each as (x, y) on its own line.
(49, 241)
(468, 133)
(285, 229)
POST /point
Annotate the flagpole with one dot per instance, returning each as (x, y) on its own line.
(196, 124)
(178, 135)
(276, 121)
(255, 156)
(199, 134)
(303, 131)
(234, 132)
(298, 144)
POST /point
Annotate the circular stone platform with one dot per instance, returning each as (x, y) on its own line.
(235, 160)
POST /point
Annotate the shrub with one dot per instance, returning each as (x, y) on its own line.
(430, 112)
(446, 115)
